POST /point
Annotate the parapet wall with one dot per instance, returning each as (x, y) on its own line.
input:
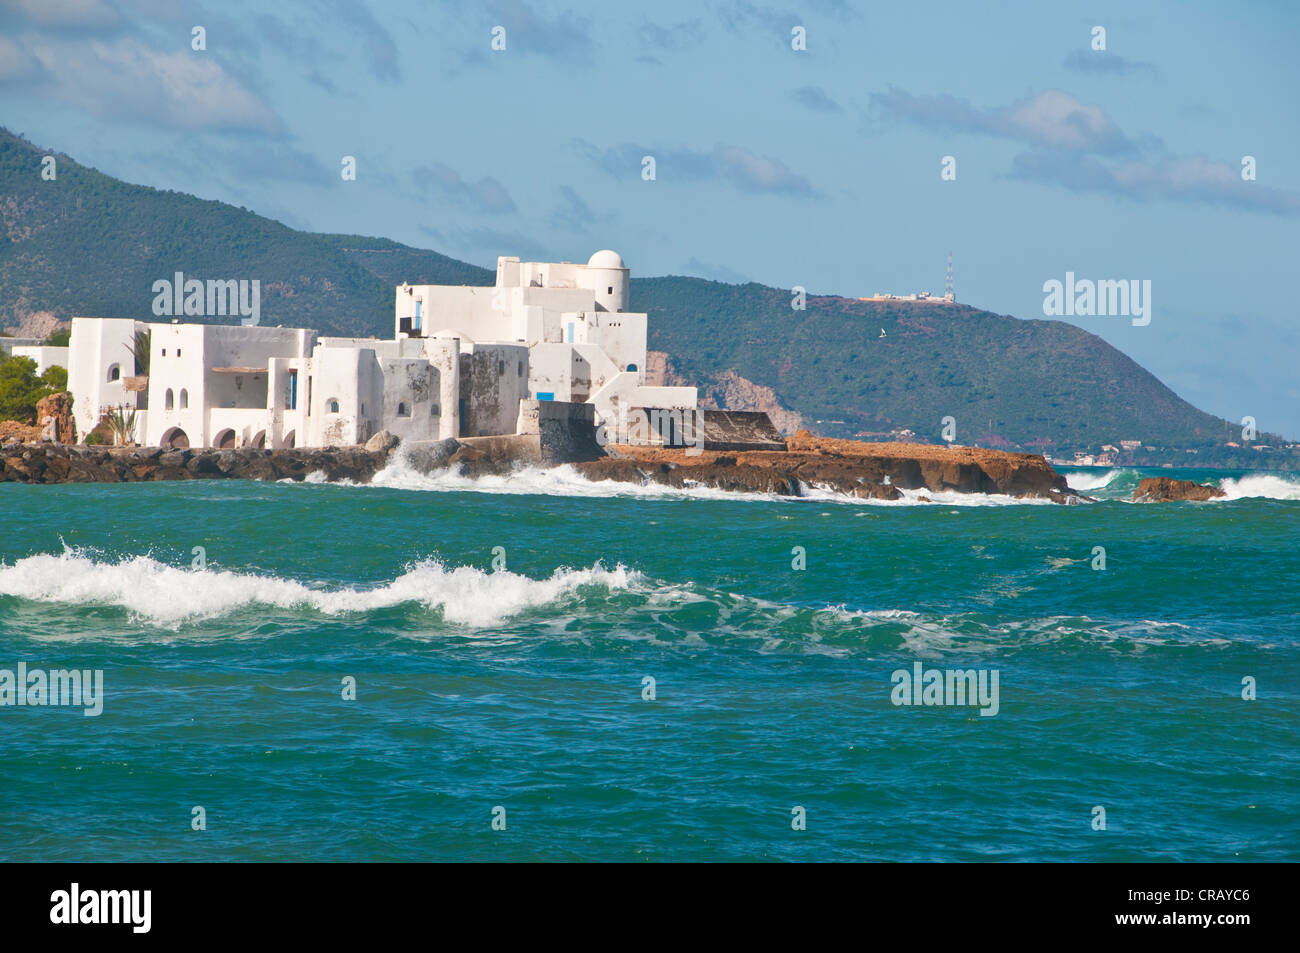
(740, 430)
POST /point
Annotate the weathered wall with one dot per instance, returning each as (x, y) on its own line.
(493, 379)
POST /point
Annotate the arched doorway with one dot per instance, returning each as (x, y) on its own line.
(290, 438)
(225, 440)
(174, 438)
(259, 441)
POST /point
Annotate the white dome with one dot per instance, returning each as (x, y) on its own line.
(606, 259)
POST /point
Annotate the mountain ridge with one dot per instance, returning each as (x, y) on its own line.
(88, 243)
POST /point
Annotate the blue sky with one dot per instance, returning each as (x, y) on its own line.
(819, 167)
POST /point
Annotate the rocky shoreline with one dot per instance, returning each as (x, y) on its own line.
(59, 463)
(864, 470)
(878, 471)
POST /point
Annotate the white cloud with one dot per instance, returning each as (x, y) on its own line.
(123, 78)
(1054, 119)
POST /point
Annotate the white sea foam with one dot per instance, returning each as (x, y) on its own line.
(542, 481)
(169, 596)
(1268, 486)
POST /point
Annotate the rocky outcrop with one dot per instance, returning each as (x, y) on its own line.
(1165, 490)
(866, 470)
(724, 391)
(54, 415)
(36, 324)
(53, 463)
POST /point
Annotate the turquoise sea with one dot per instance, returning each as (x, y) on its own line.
(518, 693)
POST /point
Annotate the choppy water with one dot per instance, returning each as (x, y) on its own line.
(522, 687)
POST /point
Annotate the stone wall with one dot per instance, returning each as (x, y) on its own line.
(52, 463)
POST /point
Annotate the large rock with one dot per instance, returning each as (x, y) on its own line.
(382, 442)
(1164, 490)
(427, 456)
(56, 409)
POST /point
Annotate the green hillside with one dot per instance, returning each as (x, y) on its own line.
(90, 244)
(1005, 381)
(86, 243)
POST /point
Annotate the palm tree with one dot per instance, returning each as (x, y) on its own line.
(139, 348)
(121, 424)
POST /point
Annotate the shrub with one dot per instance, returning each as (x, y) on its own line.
(55, 378)
(20, 389)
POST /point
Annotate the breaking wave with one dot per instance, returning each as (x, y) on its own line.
(167, 596)
(1260, 485)
(598, 606)
(1086, 481)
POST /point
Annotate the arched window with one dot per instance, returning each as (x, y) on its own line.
(185, 399)
(632, 368)
(169, 399)
(115, 372)
(225, 440)
(332, 406)
(403, 410)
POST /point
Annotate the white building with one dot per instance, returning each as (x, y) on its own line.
(549, 331)
(100, 360)
(584, 345)
(227, 386)
(45, 355)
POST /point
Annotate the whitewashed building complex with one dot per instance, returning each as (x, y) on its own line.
(459, 364)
